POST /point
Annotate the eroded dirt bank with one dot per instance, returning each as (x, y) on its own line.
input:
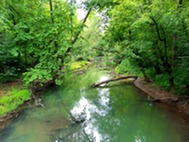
(179, 104)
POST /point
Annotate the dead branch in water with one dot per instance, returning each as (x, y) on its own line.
(112, 80)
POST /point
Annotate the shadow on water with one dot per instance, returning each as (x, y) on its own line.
(116, 113)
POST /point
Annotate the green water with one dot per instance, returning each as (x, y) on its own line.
(116, 113)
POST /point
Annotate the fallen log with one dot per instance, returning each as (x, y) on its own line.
(112, 80)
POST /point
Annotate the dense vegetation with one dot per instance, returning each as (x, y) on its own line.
(39, 39)
(153, 37)
(13, 99)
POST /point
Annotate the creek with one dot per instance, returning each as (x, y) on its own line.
(117, 112)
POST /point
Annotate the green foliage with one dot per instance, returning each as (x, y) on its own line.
(11, 68)
(99, 4)
(77, 65)
(125, 67)
(162, 80)
(67, 71)
(37, 36)
(152, 35)
(83, 80)
(13, 100)
(182, 77)
(40, 35)
(86, 47)
(149, 37)
(37, 74)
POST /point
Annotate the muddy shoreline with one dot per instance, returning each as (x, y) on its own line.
(177, 104)
(8, 117)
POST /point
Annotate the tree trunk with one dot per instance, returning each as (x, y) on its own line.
(180, 3)
(51, 10)
(25, 56)
(172, 83)
(113, 80)
(157, 68)
(147, 79)
(79, 32)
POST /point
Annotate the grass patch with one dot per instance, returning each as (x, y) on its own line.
(77, 65)
(14, 98)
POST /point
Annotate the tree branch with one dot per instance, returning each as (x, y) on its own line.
(79, 32)
(160, 38)
(51, 10)
(157, 29)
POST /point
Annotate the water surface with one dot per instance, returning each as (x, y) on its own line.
(115, 113)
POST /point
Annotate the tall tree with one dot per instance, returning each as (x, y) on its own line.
(149, 33)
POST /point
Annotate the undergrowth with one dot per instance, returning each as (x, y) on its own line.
(14, 98)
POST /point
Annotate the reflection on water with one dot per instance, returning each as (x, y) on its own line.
(85, 109)
(103, 101)
(114, 114)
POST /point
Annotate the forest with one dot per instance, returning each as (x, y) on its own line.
(72, 70)
(41, 40)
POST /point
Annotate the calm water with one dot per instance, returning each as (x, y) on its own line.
(117, 113)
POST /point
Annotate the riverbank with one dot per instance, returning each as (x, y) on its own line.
(12, 96)
(179, 104)
(9, 93)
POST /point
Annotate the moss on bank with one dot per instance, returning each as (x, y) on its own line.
(77, 65)
(13, 99)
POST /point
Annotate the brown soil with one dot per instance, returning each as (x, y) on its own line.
(6, 87)
(177, 103)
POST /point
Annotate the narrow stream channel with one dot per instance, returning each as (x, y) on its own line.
(116, 113)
